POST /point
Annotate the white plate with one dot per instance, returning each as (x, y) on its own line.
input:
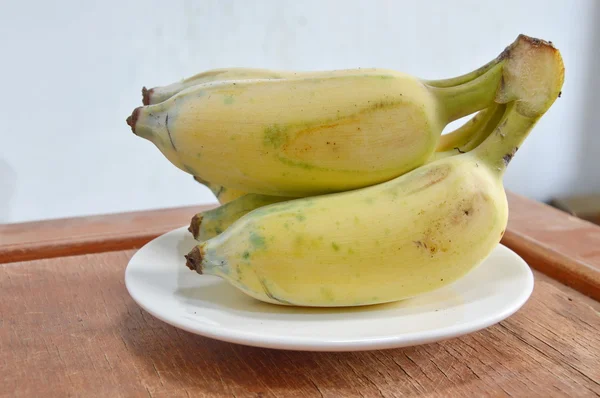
(158, 280)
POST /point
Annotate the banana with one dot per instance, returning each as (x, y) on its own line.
(398, 239)
(311, 135)
(159, 94)
(454, 139)
(210, 223)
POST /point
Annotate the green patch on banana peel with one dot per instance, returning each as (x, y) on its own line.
(257, 240)
(275, 135)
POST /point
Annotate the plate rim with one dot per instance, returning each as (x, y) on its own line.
(237, 336)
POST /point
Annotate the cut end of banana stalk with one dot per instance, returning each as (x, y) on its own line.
(194, 259)
(132, 120)
(533, 75)
(194, 227)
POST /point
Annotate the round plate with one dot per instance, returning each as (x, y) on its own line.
(158, 280)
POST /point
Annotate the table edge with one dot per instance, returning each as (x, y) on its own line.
(125, 231)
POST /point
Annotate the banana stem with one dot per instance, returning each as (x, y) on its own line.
(496, 111)
(478, 128)
(464, 99)
(498, 149)
(467, 77)
(463, 134)
(532, 80)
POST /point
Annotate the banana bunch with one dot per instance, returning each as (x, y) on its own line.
(353, 197)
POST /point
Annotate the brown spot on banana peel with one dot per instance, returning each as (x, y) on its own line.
(429, 246)
(194, 259)
(508, 157)
(418, 243)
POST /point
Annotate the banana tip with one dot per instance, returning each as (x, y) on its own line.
(194, 227)
(146, 95)
(132, 120)
(194, 259)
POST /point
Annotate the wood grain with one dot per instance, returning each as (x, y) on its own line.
(80, 235)
(69, 328)
(555, 243)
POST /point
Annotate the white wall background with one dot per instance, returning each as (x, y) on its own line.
(72, 71)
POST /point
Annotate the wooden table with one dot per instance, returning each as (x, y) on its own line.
(69, 328)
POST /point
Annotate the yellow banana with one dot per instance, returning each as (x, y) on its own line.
(453, 140)
(398, 239)
(161, 93)
(311, 135)
(210, 223)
